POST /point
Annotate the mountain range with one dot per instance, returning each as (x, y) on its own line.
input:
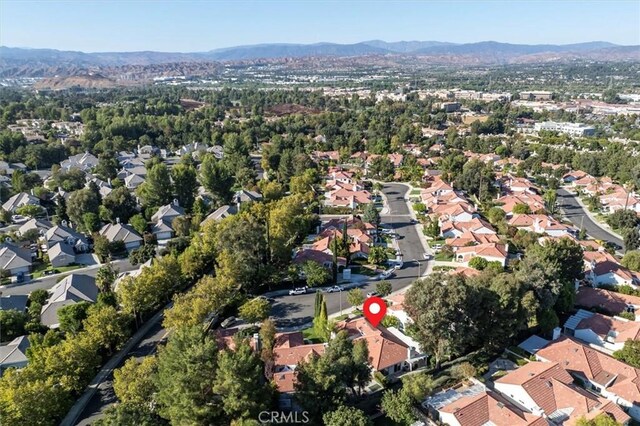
(484, 52)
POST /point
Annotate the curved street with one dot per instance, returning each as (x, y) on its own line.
(577, 215)
(295, 311)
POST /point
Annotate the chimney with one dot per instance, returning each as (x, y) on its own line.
(556, 333)
(258, 343)
(117, 220)
(176, 202)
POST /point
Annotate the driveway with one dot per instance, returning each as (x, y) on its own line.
(296, 311)
(577, 215)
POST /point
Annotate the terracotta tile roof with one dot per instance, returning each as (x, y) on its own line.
(589, 297)
(621, 330)
(467, 272)
(489, 250)
(289, 350)
(551, 389)
(385, 349)
(490, 408)
(613, 375)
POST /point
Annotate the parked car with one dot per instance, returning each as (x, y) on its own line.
(299, 290)
(229, 321)
(335, 288)
(386, 274)
(51, 272)
(372, 294)
(427, 256)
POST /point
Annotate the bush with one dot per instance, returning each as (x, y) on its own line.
(627, 315)
(380, 378)
(478, 263)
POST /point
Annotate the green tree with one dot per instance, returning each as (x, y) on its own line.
(371, 215)
(355, 297)
(602, 419)
(321, 321)
(216, 179)
(631, 260)
(156, 190)
(316, 274)
(441, 306)
(139, 223)
(346, 416)
(397, 406)
(383, 288)
(255, 310)
(119, 204)
(101, 247)
(105, 277)
(630, 353)
(521, 209)
(185, 394)
(81, 202)
(186, 185)
(240, 382)
(479, 263)
(377, 255)
(127, 413)
(477, 178)
(12, 323)
(90, 222)
(134, 382)
(106, 327)
(72, 316)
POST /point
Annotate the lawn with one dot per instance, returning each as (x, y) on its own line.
(309, 333)
(39, 271)
(443, 257)
(415, 192)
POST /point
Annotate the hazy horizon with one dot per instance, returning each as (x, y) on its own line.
(200, 26)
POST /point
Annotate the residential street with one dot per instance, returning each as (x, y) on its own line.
(574, 212)
(293, 311)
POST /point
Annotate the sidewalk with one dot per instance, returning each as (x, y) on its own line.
(593, 217)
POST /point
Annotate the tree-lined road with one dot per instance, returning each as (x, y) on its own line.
(295, 311)
(576, 214)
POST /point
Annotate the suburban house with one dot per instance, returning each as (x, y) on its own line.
(72, 289)
(245, 196)
(388, 353)
(534, 202)
(601, 331)
(350, 195)
(122, 232)
(40, 225)
(221, 213)
(14, 354)
(20, 200)
(598, 372)
(574, 176)
(541, 224)
(288, 350)
(491, 252)
(476, 406)
(15, 260)
(609, 301)
(546, 389)
(132, 181)
(84, 162)
(16, 302)
(456, 229)
(611, 273)
(63, 234)
(163, 220)
(469, 238)
(61, 254)
(459, 212)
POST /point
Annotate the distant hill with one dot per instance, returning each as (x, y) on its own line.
(48, 62)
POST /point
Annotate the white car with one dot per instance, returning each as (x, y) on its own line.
(385, 274)
(335, 288)
(299, 290)
(372, 294)
(427, 256)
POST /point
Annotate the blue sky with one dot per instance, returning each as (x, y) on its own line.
(188, 25)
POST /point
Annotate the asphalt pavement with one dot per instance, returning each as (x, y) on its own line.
(295, 311)
(576, 214)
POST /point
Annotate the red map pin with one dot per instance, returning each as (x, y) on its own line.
(374, 310)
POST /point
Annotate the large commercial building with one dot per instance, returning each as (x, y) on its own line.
(573, 129)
